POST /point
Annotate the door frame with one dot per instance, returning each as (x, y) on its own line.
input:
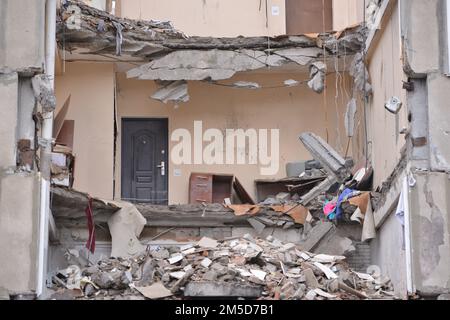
(124, 119)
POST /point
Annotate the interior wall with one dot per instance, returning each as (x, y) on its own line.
(305, 16)
(347, 13)
(91, 86)
(291, 110)
(219, 18)
(386, 72)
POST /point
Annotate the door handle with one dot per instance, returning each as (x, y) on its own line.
(162, 166)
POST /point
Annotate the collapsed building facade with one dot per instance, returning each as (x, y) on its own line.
(366, 102)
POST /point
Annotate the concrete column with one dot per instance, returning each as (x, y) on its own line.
(9, 84)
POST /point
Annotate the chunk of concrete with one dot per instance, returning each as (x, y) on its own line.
(310, 279)
(176, 91)
(218, 290)
(257, 225)
(317, 74)
(125, 226)
(334, 163)
(315, 235)
(155, 291)
(206, 242)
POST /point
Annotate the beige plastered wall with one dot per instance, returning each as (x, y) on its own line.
(291, 110)
(220, 18)
(386, 72)
(347, 13)
(91, 86)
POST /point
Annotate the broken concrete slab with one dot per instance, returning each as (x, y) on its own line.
(257, 225)
(317, 190)
(334, 163)
(206, 262)
(147, 39)
(315, 235)
(155, 291)
(196, 65)
(310, 278)
(175, 91)
(327, 271)
(206, 242)
(125, 227)
(218, 290)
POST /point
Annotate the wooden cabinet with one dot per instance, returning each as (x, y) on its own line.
(209, 188)
(200, 188)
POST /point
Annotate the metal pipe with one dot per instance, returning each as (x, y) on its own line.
(46, 148)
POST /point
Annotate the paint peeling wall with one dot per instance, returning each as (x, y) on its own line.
(219, 18)
(430, 232)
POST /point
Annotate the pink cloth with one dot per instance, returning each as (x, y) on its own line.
(329, 208)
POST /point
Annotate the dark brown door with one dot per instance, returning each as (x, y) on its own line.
(144, 160)
(308, 16)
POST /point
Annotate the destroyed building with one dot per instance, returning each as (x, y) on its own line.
(146, 153)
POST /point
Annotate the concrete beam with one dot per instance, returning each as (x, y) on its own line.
(19, 204)
(326, 155)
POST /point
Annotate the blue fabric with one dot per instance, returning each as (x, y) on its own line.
(342, 198)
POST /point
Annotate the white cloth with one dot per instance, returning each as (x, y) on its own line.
(400, 212)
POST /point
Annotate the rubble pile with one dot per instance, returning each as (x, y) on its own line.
(246, 267)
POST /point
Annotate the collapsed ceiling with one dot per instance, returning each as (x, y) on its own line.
(169, 55)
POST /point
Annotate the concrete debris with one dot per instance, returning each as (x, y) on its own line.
(170, 55)
(360, 74)
(125, 227)
(221, 290)
(327, 156)
(246, 85)
(372, 8)
(317, 73)
(174, 91)
(301, 56)
(251, 268)
(119, 37)
(148, 39)
(257, 225)
(291, 83)
(196, 65)
(206, 242)
(155, 291)
(44, 93)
